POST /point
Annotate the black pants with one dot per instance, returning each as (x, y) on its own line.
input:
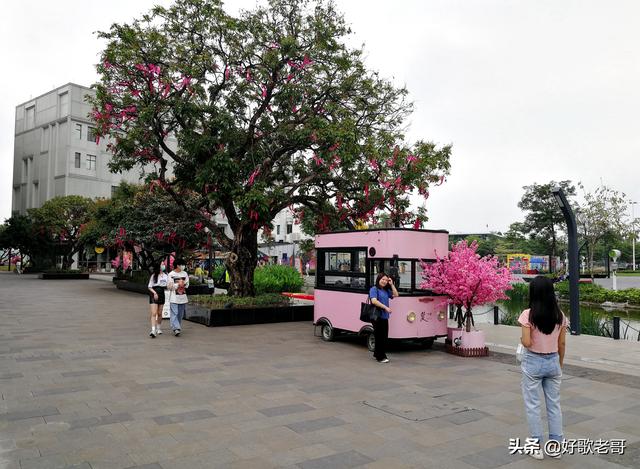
(381, 333)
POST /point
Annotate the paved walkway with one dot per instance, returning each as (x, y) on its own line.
(83, 386)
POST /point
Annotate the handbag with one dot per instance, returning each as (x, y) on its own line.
(368, 311)
(519, 353)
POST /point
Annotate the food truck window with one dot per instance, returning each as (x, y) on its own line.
(338, 281)
(342, 269)
(404, 274)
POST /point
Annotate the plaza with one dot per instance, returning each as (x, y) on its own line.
(83, 386)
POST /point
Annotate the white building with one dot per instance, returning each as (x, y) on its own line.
(55, 151)
(286, 236)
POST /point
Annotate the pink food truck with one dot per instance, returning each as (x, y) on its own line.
(347, 265)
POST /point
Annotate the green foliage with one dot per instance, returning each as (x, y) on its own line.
(603, 217)
(19, 232)
(520, 292)
(543, 217)
(218, 273)
(222, 301)
(593, 323)
(596, 294)
(510, 318)
(64, 219)
(148, 219)
(277, 279)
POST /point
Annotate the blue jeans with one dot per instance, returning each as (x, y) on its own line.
(177, 314)
(542, 371)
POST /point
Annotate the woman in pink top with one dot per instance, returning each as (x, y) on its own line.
(543, 334)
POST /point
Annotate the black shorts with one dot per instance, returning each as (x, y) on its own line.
(160, 300)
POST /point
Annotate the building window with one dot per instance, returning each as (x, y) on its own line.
(63, 104)
(91, 162)
(31, 117)
(277, 229)
(79, 131)
(289, 229)
(44, 142)
(91, 134)
(77, 159)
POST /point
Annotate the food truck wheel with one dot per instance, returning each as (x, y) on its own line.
(328, 333)
(426, 343)
(371, 342)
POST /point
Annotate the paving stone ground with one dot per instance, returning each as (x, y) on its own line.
(83, 386)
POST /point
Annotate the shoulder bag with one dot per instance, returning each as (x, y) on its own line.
(369, 312)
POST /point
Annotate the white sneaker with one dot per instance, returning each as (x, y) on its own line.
(176, 332)
(537, 454)
(152, 334)
(384, 360)
(158, 331)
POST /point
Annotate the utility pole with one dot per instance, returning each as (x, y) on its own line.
(574, 267)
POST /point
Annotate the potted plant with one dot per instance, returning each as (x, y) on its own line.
(467, 280)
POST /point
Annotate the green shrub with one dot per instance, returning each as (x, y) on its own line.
(596, 294)
(520, 292)
(592, 323)
(277, 279)
(510, 318)
(218, 272)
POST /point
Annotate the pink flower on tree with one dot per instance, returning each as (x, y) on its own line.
(467, 279)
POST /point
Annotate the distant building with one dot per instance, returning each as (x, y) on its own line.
(283, 248)
(55, 151)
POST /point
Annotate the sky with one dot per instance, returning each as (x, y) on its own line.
(525, 91)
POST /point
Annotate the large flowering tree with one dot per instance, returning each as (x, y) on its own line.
(467, 279)
(269, 109)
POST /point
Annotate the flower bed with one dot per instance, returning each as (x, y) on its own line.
(63, 276)
(223, 310)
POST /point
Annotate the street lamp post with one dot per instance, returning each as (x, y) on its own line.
(633, 234)
(574, 267)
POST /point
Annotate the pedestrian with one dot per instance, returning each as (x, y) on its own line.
(156, 286)
(544, 328)
(307, 267)
(380, 294)
(177, 285)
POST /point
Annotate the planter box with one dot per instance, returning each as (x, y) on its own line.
(453, 332)
(138, 288)
(244, 316)
(472, 344)
(63, 276)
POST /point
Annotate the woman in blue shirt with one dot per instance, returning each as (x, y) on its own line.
(380, 294)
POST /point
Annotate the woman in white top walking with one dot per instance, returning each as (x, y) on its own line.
(177, 285)
(156, 286)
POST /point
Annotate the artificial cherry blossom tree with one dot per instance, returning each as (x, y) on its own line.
(467, 279)
(270, 109)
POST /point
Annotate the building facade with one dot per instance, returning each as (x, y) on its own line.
(56, 152)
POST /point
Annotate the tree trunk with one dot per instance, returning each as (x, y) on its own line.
(459, 316)
(242, 265)
(469, 320)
